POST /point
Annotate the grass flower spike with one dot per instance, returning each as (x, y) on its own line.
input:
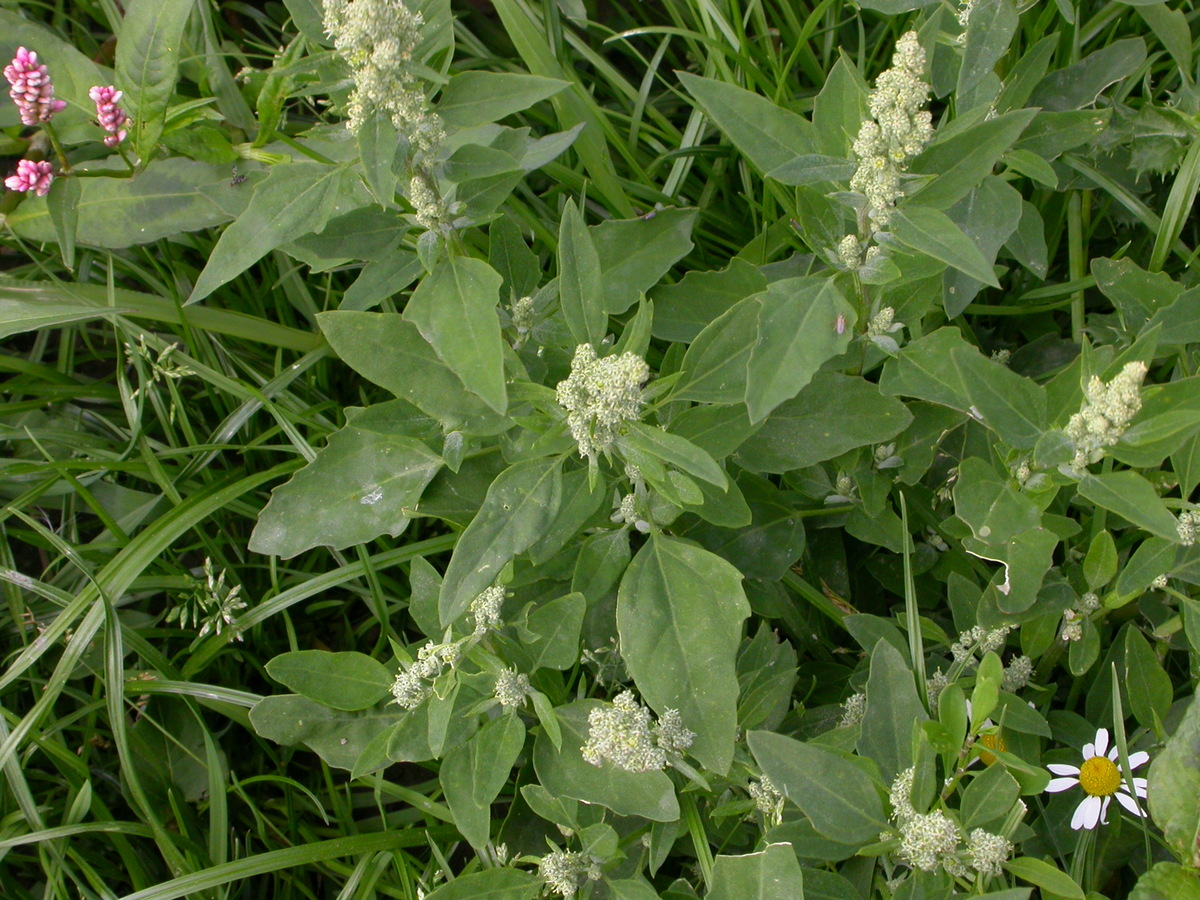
(1100, 778)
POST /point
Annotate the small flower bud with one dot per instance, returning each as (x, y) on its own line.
(31, 176)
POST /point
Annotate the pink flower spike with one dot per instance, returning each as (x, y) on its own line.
(111, 117)
(32, 90)
(31, 176)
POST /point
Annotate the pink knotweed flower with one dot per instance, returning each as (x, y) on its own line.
(111, 117)
(31, 176)
(32, 89)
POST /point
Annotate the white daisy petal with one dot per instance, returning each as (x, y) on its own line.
(1104, 810)
(1061, 784)
(1137, 759)
(1101, 741)
(1089, 750)
(1061, 769)
(1126, 801)
(1087, 813)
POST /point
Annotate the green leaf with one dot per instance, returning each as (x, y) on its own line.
(580, 286)
(990, 29)
(961, 162)
(797, 334)
(773, 873)
(294, 200)
(1174, 787)
(477, 98)
(365, 483)
(988, 797)
(770, 136)
(1167, 881)
(519, 507)
(337, 736)
(1079, 85)
(1048, 877)
(683, 310)
(1100, 564)
(553, 638)
(840, 108)
(679, 615)
(345, 681)
(1137, 294)
(636, 253)
(490, 884)
(378, 148)
(673, 450)
(714, 367)
(1052, 134)
(988, 215)
(931, 232)
(564, 773)
(893, 708)
(388, 350)
(833, 414)
(509, 255)
(63, 205)
(167, 198)
(18, 314)
(455, 310)
(1132, 497)
(839, 798)
(474, 773)
(1148, 687)
(148, 64)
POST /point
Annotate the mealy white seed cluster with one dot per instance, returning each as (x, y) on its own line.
(485, 609)
(413, 684)
(1159, 582)
(881, 328)
(1017, 674)
(521, 313)
(988, 852)
(853, 710)
(565, 870)
(1188, 520)
(1073, 617)
(601, 394)
(1106, 412)
(897, 130)
(512, 688)
(627, 514)
(929, 841)
(979, 640)
(428, 208)
(768, 800)
(377, 38)
(622, 733)
(934, 685)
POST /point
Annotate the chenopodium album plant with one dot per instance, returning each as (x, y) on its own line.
(634, 461)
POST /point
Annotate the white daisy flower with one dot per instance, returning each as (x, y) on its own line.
(1101, 780)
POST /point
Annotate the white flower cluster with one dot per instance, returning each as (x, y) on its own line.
(622, 733)
(486, 609)
(1188, 520)
(881, 328)
(979, 640)
(627, 514)
(512, 687)
(897, 130)
(1073, 618)
(1106, 412)
(377, 38)
(413, 684)
(853, 710)
(599, 395)
(429, 210)
(934, 685)
(1017, 674)
(768, 799)
(933, 840)
(521, 312)
(564, 871)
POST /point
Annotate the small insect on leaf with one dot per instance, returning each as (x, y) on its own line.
(840, 325)
(237, 179)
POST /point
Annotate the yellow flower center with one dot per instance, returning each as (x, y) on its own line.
(992, 742)
(1099, 776)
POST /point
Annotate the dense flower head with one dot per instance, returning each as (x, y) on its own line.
(485, 609)
(110, 116)
(898, 129)
(564, 871)
(378, 39)
(31, 176)
(622, 733)
(413, 683)
(988, 852)
(601, 394)
(1100, 777)
(767, 799)
(32, 89)
(512, 687)
(930, 840)
(1106, 412)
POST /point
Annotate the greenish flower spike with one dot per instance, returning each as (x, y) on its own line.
(599, 395)
(378, 38)
(1106, 412)
(622, 733)
(897, 130)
